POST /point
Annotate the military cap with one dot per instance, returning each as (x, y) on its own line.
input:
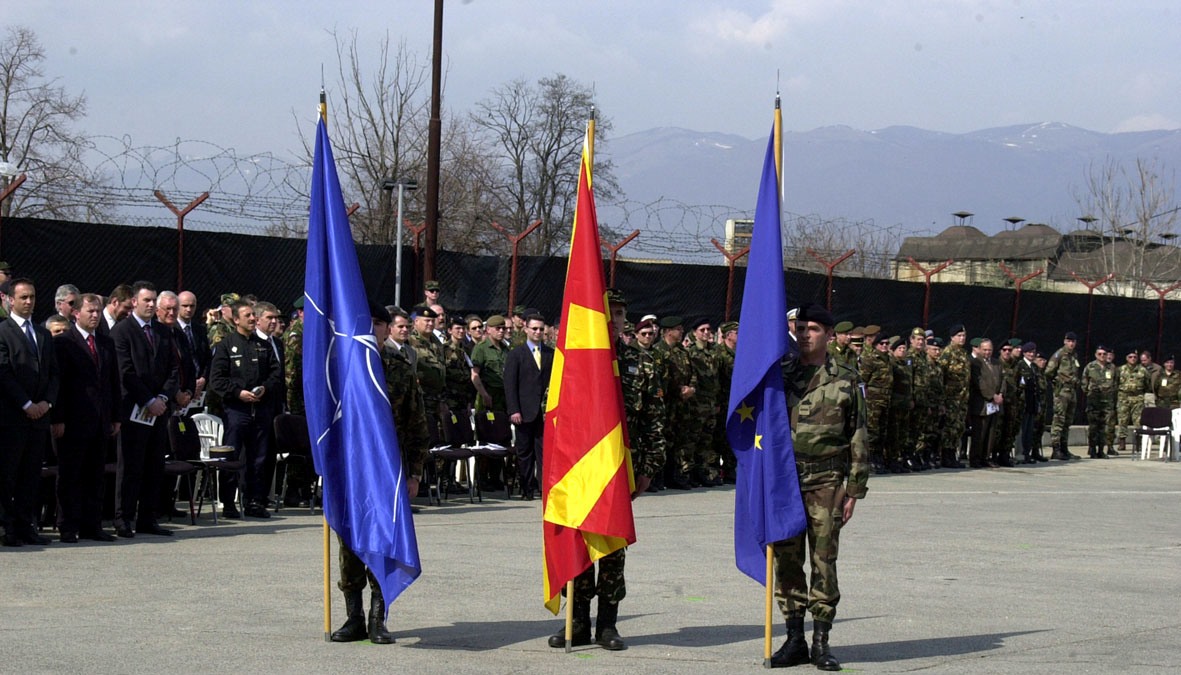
(858, 331)
(378, 312)
(698, 323)
(1029, 347)
(1014, 342)
(728, 326)
(298, 304)
(895, 341)
(1169, 357)
(671, 322)
(956, 329)
(4, 266)
(648, 317)
(872, 329)
(1133, 352)
(1101, 348)
(935, 341)
(793, 314)
(815, 313)
(918, 330)
(1070, 335)
(975, 341)
(457, 321)
(431, 285)
(520, 310)
(423, 311)
(495, 321)
(628, 327)
(645, 324)
(857, 339)
(843, 327)
(616, 296)
(230, 298)
(881, 338)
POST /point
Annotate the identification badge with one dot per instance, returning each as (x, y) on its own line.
(490, 415)
(181, 426)
(1164, 382)
(1108, 374)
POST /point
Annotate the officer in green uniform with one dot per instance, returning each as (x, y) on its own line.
(936, 410)
(916, 354)
(901, 405)
(1013, 408)
(878, 375)
(293, 360)
(832, 461)
(1168, 386)
(957, 375)
(431, 370)
(700, 462)
(223, 328)
(1099, 383)
(410, 422)
(840, 348)
(1133, 385)
(679, 389)
(724, 351)
(1063, 371)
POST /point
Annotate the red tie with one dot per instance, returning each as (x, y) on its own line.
(93, 351)
(148, 335)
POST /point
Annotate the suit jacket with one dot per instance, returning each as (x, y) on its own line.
(987, 381)
(524, 383)
(200, 348)
(25, 377)
(146, 370)
(186, 361)
(89, 397)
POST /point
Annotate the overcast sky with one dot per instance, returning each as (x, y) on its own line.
(232, 72)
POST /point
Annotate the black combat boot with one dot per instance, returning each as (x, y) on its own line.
(1057, 453)
(795, 649)
(378, 635)
(580, 634)
(605, 634)
(821, 658)
(1111, 450)
(354, 625)
(1091, 451)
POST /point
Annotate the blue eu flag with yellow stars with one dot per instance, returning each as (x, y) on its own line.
(767, 504)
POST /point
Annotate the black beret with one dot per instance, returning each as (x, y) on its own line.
(1070, 335)
(671, 322)
(1029, 347)
(815, 313)
(423, 311)
(378, 312)
(699, 323)
(956, 329)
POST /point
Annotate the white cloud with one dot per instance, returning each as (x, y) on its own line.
(757, 29)
(1146, 122)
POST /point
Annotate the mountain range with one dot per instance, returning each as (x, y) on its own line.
(898, 176)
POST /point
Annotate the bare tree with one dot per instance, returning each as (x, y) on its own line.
(874, 246)
(37, 136)
(538, 130)
(1133, 213)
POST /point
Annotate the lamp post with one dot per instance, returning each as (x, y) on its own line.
(403, 186)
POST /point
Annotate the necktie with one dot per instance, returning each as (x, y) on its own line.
(93, 351)
(148, 335)
(274, 349)
(32, 338)
(537, 356)
(189, 335)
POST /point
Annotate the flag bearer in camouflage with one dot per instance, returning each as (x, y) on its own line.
(1133, 385)
(936, 407)
(410, 422)
(679, 389)
(957, 375)
(700, 464)
(916, 353)
(878, 376)
(725, 355)
(1099, 390)
(1013, 409)
(1063, 371)
(898, 450)
(832, 459)
(643, 402)
(1167, 386)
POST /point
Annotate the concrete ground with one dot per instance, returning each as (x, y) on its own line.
(1049, 568)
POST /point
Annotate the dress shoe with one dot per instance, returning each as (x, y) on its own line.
(257, 511)
(11, 540)
(35, 539)
(230, 512)
(152, 528)
(69, 538)
(679, 483)
(98, 535)
(124, 530)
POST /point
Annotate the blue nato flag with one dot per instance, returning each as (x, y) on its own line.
(350, 422)
(767, 503)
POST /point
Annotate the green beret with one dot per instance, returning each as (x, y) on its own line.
(494, 321)
(728, 326)
(871, 329)
(671, 322)
(4, 266)
(1014, 342)
(843, 327)
(298, 304)
(976, 342)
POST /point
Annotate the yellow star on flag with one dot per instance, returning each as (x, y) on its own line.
(758, 441)
(745, 412)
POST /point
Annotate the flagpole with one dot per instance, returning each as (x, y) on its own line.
(327, 544)
(769, 590)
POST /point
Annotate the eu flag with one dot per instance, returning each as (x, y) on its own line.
(350, 422)
(767, 503)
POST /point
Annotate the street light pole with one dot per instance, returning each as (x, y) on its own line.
(403, 186)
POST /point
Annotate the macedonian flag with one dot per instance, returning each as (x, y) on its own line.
(588, 481)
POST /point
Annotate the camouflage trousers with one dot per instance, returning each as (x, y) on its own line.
(794, 594)
(898, 433)
(699, 455)
(1010, 428)
(933, 433)
(954, 424)
(353, 573)
(611, 586)
(1098, 413)
(1064, 401)
(918, 427)
(723, 453)
(678, 443)
(1128, 410)
(875, 425)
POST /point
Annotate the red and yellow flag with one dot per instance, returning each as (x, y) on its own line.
(588, 481)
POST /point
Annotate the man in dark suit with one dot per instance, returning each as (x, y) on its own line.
(196, 336)
(29, 386)
(117, 308)
(149, 379)
(985, 398)
(526, 379)
(85, 417)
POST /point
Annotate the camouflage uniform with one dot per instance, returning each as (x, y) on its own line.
(432, 377)
(878, 377)
(410, 423)
(722, 448)
(459, 388)
(832, 459)
(700, 461)
(1099, 389)
(220, 330)
(293, 366)
(1062, 370)
(489, 358)
(1013, 408)
(843, 355)
(1167, 388)
(898, 449)
(678, 372)
(957, 374)
(932, 432)
(919, 419)
(1133, 385)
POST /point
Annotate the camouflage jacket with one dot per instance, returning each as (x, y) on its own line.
(827, 426)
(935, 393)
(432, 371)
(677, 373)
(1168, 389)
(957, 373)
(876, 373)
(843, 355)
(1014, 389)
(921, 369)
(489, 359)
(1133, 380)
(902, 390)
(725, 357)
(643, 402)
(1063, 368)
(409, 412)
(218, 331)
(293, 366)
(459, 376)
(1099, 379)
(704, 365)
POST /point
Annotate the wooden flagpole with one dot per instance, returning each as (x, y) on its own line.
(767, 608)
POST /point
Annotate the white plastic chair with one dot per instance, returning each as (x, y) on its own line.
(1155, 424)
(209, 429)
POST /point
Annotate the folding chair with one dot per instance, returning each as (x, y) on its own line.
(184, 459)
(295, 447)
(1155, 423)
(496, 438)
(457, 432)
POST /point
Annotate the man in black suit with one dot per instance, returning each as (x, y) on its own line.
(526, 379)
(985, 399)
(85, 417)
(29, 386)
(149, 379)
(117, 308)
(196, 335)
